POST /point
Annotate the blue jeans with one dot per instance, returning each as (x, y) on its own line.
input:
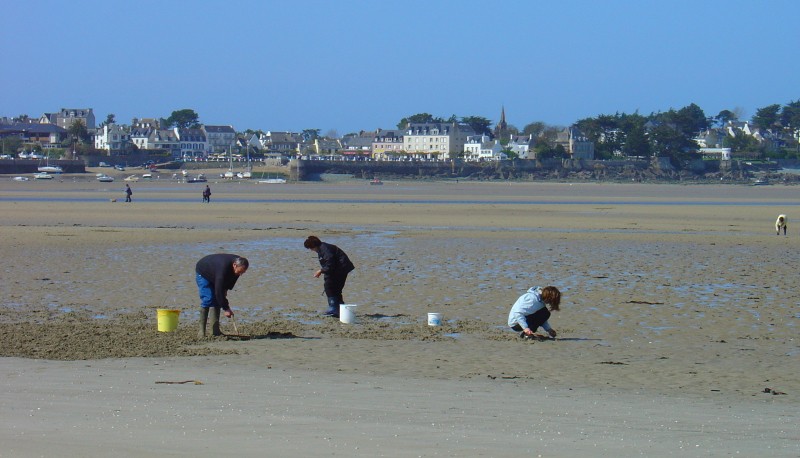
(206, 290)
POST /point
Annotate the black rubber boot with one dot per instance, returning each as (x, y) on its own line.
(333, 307)
(215, 322)
(203, 320)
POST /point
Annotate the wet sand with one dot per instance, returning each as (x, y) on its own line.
(679, 302)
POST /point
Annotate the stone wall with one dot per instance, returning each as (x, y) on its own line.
(20, 166)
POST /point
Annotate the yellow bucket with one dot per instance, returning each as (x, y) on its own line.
(167, 319)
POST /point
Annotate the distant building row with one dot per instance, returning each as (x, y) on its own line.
(418, 140)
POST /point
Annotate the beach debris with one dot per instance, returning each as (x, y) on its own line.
(772, 391)
(194, 382)
(613, 363)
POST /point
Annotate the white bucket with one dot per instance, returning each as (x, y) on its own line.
(434, 319)
(347, 313)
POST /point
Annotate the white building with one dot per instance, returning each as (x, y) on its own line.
(522, 146)
(156, 139)
(435, 140)
(112, 138)
(480, 148)
(220, 138)
(193, 143)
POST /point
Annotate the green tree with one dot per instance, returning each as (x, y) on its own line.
(605, 132)
(480, 125)
(724, 116)
(418, 119)
(690, 120)
(78, 132)
(11, 145)
(767, 117)
(183, 119)
(790, 116)
(556, 152)
(545, 147)
(535, 128)
(668, 141)
(636, 142)
(511, 154)
(740, 142)
(310, 134)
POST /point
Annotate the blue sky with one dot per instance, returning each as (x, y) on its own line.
(359, 65)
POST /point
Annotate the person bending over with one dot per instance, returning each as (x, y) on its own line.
(781, 223)
(334, 265)
(216, 274)
(530, 311)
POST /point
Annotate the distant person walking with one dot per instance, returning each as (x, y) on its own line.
(335, 265)
(128, 193)
(530, 311)
(216, 274)
(781, 223)
(207, 194)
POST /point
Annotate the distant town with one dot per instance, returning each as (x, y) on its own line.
(681, 135)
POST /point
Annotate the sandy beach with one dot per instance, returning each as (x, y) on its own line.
(678, 333)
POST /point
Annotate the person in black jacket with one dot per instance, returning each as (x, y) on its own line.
(216, 274)
(335, 265)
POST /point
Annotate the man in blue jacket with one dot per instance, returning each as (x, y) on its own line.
(216, 274)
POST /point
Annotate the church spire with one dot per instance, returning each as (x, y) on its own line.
(502, 127)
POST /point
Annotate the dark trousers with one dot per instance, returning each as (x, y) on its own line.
(334, 285)
(535, 320)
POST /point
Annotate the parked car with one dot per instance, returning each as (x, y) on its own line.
(119, 167)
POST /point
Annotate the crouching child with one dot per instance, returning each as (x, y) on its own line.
(530, 311)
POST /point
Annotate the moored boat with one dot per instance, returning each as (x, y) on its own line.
(51, 169)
